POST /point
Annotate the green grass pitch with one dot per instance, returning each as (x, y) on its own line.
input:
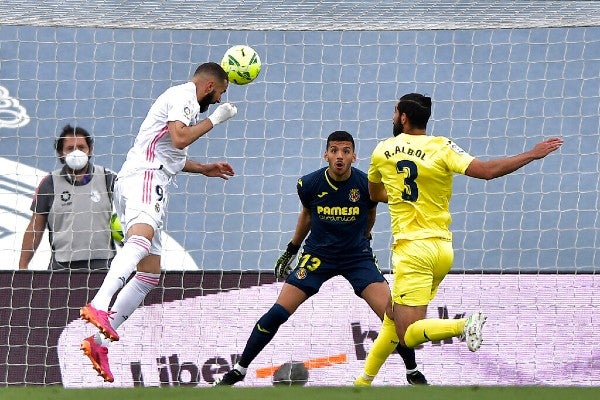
(308, 393)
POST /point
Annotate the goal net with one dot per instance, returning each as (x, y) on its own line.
(502, 75)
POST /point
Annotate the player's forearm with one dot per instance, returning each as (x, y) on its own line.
(504, 166)
(194, 167)
(200, 129)
(182, 135)
(302, 227)
(377, 192)
(371, 221)
(299, 236)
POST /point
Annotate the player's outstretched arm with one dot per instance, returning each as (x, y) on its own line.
(221, 170)
(502, 166)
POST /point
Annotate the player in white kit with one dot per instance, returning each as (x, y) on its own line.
(158, 154)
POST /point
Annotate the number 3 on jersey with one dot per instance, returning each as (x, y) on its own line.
(409, 169)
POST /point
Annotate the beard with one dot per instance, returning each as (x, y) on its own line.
(205, 102)
(398, 129)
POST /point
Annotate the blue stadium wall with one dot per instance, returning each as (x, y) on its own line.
(495, 92)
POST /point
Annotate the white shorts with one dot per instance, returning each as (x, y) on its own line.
(141, 198)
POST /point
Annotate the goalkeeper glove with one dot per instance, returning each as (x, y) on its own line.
(283, 266)
(222, 113)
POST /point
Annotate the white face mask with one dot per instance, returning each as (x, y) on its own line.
(76, 160)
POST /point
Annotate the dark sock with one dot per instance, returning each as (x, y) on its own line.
(408, 356)
(262, 333)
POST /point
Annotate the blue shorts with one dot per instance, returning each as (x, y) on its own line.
(311, 272)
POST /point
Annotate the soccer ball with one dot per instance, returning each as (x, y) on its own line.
(291, 373)
(242, 64)
(116, 230)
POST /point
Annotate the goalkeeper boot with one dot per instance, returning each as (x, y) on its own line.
(472, 332)
(100, 319)
(98, 355)
(230, 378)
(416, 378)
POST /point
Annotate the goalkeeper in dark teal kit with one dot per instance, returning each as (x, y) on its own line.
(338, 214)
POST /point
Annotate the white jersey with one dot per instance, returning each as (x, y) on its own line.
(153, 148)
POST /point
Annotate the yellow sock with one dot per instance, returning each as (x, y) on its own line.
(430, 329)
(384, 345)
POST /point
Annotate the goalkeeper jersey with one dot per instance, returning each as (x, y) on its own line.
(417, 172)
(339, 213)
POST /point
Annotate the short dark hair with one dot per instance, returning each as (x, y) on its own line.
(211, 68)
(340, 136)
(68, 130)
(417, 108)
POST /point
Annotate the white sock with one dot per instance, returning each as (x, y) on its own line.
(100, 339)
(124, 263)
(240, 368)
(132, 295)
(366, 377)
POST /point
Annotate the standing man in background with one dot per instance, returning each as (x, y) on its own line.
(75, 204)
(158, 154)
(413, 173)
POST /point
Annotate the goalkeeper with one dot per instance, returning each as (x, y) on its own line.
(339, 215)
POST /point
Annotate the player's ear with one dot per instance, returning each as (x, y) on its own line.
(209, 87)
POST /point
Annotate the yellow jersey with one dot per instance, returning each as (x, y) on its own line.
(417, 172)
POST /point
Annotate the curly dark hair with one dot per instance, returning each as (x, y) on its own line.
(68, 130)
(417, 108)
